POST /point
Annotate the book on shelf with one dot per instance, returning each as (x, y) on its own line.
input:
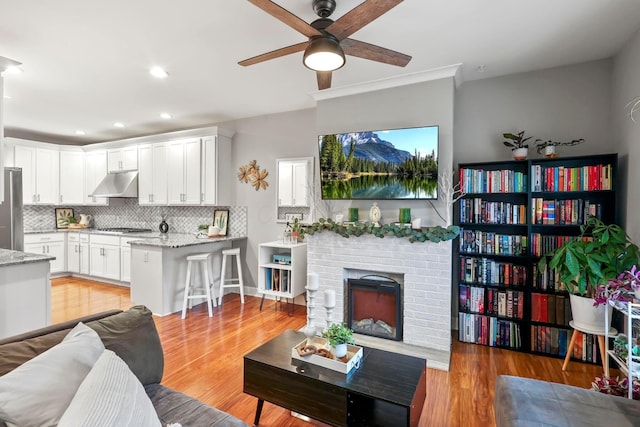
(479, 211)
(562, 178)
(545, 243)
(552, 340)
(485, 242)
(487, 271)
(492, 181)
(563, 212)
(268, 281)
(486, 330)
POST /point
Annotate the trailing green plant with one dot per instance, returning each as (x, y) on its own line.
(339, 333)
(542, 144)
(516, 140)
(203, 226)
(430, 234)
(600, 253)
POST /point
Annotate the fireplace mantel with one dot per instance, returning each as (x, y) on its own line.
(426, 268)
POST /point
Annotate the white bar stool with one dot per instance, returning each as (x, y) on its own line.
(234, 282)
(203, 260)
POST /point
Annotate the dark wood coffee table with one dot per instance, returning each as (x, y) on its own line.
(388, 389)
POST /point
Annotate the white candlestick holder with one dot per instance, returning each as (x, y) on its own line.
(329, 314)
(310, 330)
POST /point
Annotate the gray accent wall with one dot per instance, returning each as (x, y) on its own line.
(561, 104)
(265, 139)
(626, 133)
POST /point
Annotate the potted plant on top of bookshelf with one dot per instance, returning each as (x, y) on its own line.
(339, 336)
(548, 147)
(599, 254)
(517, 143)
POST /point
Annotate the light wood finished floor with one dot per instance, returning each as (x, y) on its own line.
(203, 357)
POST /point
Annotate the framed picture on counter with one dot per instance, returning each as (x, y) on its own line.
(62, 217)
(221, 220)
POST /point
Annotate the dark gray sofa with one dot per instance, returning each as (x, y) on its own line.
(527, 402)
(132, 335)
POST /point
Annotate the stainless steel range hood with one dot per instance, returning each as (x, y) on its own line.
(123, 184)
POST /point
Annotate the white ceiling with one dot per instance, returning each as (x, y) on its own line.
(86, 63)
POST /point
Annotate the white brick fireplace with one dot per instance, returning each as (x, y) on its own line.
(425, 269)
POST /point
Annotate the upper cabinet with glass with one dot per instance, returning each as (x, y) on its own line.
(295, 182)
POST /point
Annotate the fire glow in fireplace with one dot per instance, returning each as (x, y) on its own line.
(375, 308)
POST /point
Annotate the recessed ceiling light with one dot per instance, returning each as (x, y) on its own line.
(118, 125)
(165, 115)
(13, 70)
(79, 132)
(158, 72)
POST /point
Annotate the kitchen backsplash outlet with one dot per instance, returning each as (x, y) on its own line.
(128, 213)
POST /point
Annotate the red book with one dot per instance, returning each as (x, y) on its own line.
(543, 307)
(535, 307)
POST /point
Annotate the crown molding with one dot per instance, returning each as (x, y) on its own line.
(454, 71)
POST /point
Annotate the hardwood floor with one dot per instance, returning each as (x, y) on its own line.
(203, 357)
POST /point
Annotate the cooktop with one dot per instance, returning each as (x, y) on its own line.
(122, 230)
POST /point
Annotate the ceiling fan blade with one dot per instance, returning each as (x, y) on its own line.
(360, 16)
(324, 79)
(286, 17)
(374, 53)
(275, 54)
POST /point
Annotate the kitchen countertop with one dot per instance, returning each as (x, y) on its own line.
(9, 257)
(153, 238)
(180, 240)
(91, 231)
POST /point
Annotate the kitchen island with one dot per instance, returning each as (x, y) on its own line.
(25, 292)
(159, 268)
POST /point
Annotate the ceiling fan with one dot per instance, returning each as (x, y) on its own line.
(329, 40)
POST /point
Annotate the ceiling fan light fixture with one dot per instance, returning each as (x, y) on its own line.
(323, 54)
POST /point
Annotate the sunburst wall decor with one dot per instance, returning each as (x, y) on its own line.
(251, 174)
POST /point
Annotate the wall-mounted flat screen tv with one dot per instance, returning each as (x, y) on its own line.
(380, 165)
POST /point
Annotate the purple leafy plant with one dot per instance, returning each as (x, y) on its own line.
(619, 289)
(615, 387)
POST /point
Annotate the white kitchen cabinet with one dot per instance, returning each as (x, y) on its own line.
(122, 159)
(183, 172)
(152, 174)
(51, 244)
(125, 258)
(72, 177)
(40, 174)
(293, 182)
(216, 170)
(78, 253)
(95, 163)
(104, 256)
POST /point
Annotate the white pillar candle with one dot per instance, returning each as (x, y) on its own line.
(329, 298)
(313, 281)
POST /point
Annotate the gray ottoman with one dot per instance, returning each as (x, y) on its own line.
(527, 402)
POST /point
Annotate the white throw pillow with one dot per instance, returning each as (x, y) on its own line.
(110, 395)
(38, 392)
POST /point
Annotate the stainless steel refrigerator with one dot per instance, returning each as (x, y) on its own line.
(11, 221)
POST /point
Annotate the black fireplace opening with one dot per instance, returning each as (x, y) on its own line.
(375, 308)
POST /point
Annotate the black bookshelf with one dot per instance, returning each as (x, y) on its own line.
(510, 214)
